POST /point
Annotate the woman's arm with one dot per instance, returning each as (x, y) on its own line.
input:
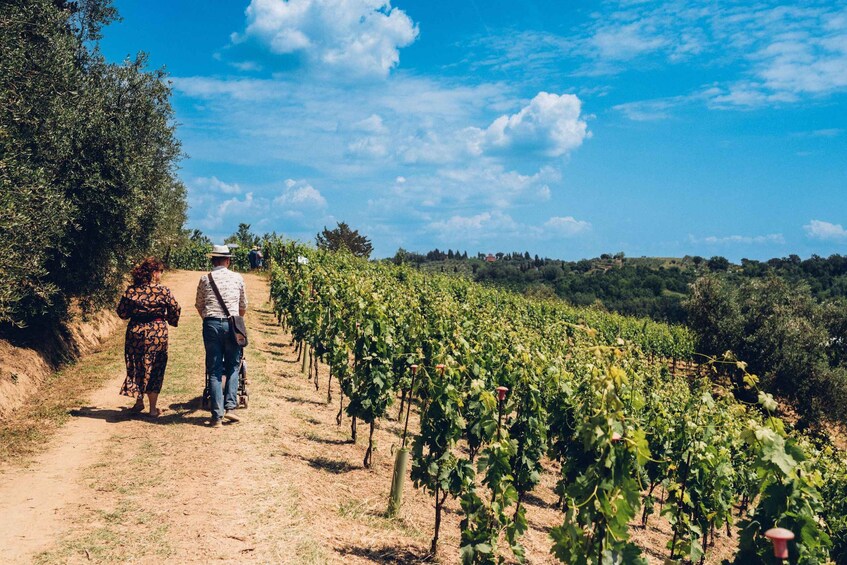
(174, 310)
(125, 308)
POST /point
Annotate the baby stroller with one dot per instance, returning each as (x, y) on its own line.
(243, 395)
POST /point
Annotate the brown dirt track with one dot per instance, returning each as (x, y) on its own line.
(283, 486)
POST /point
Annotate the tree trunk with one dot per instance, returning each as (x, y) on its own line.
(317, 385)
(329, 389)
(438, 503)
(353, 429)
(369, 453)
(340, 410)
(402, 402)
(518, 506)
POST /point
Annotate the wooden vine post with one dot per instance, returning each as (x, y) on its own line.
(401, 460)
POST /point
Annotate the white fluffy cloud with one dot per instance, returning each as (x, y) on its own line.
(566, 226)
(627, 41)
(497, 228)
(233, 209)
(356, 37)
(550, 125)
(214, 184)
(298, 210)
(826, 231)
(299, 194)
(474, 228)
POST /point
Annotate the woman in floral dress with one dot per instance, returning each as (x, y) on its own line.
(149, 307)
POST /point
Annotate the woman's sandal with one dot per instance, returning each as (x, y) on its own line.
(138, 407)
(155, 414)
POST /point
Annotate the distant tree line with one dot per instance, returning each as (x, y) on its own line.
(644, 287)
(88, 161)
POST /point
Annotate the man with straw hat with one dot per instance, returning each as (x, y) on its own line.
(220, 294)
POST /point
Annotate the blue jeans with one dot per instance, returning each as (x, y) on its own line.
(223, 358)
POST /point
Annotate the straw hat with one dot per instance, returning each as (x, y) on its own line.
(220, 251)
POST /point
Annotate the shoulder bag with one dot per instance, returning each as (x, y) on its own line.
(237, 327)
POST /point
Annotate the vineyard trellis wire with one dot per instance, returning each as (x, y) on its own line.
(585, 389)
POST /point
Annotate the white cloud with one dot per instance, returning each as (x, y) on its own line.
(773, 238)
(818, 229)
(496, 227)
(298, 211)
(371, 124)
(566, 226)
(352, 37)
(650, 110)
(550, 125)
(233, 208)
(215, 185)
(299, 194)
(367, 147)
(379, 143)
(627, 41)
(237, 89)
(770, 52)
(475, 229)
(247, 66)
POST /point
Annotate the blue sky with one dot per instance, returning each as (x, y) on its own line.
(568, 129)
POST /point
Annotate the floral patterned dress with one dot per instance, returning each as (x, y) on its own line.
(149, 309)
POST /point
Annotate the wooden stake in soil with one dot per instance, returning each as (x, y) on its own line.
(401, 461)
(395, 499)
(305, 360)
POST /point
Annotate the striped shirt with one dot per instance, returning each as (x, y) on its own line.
(231, 286)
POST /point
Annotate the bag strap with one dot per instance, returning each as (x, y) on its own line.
(218, 294)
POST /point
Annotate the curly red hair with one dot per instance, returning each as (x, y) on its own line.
(143, 272)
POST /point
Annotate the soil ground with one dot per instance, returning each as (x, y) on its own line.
(284, 485)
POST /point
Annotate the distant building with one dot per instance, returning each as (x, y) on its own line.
(490, 258)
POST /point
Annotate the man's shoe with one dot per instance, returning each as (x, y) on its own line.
(216, 423)
(230, 417)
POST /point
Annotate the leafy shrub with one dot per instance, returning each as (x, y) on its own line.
(87, 162)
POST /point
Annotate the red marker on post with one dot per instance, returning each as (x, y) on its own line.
(780, 538)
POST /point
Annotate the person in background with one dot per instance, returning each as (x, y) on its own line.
(223, 356)
(260, 258)
(253, 258)
(149, 307)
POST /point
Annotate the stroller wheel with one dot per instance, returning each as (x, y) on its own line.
(242, 401)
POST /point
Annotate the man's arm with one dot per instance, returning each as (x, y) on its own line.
(200, 299)
(242, 300)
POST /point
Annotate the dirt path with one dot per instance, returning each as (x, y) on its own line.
(285, 485)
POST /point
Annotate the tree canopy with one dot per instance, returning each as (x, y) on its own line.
(342, 237)
(88, 161)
